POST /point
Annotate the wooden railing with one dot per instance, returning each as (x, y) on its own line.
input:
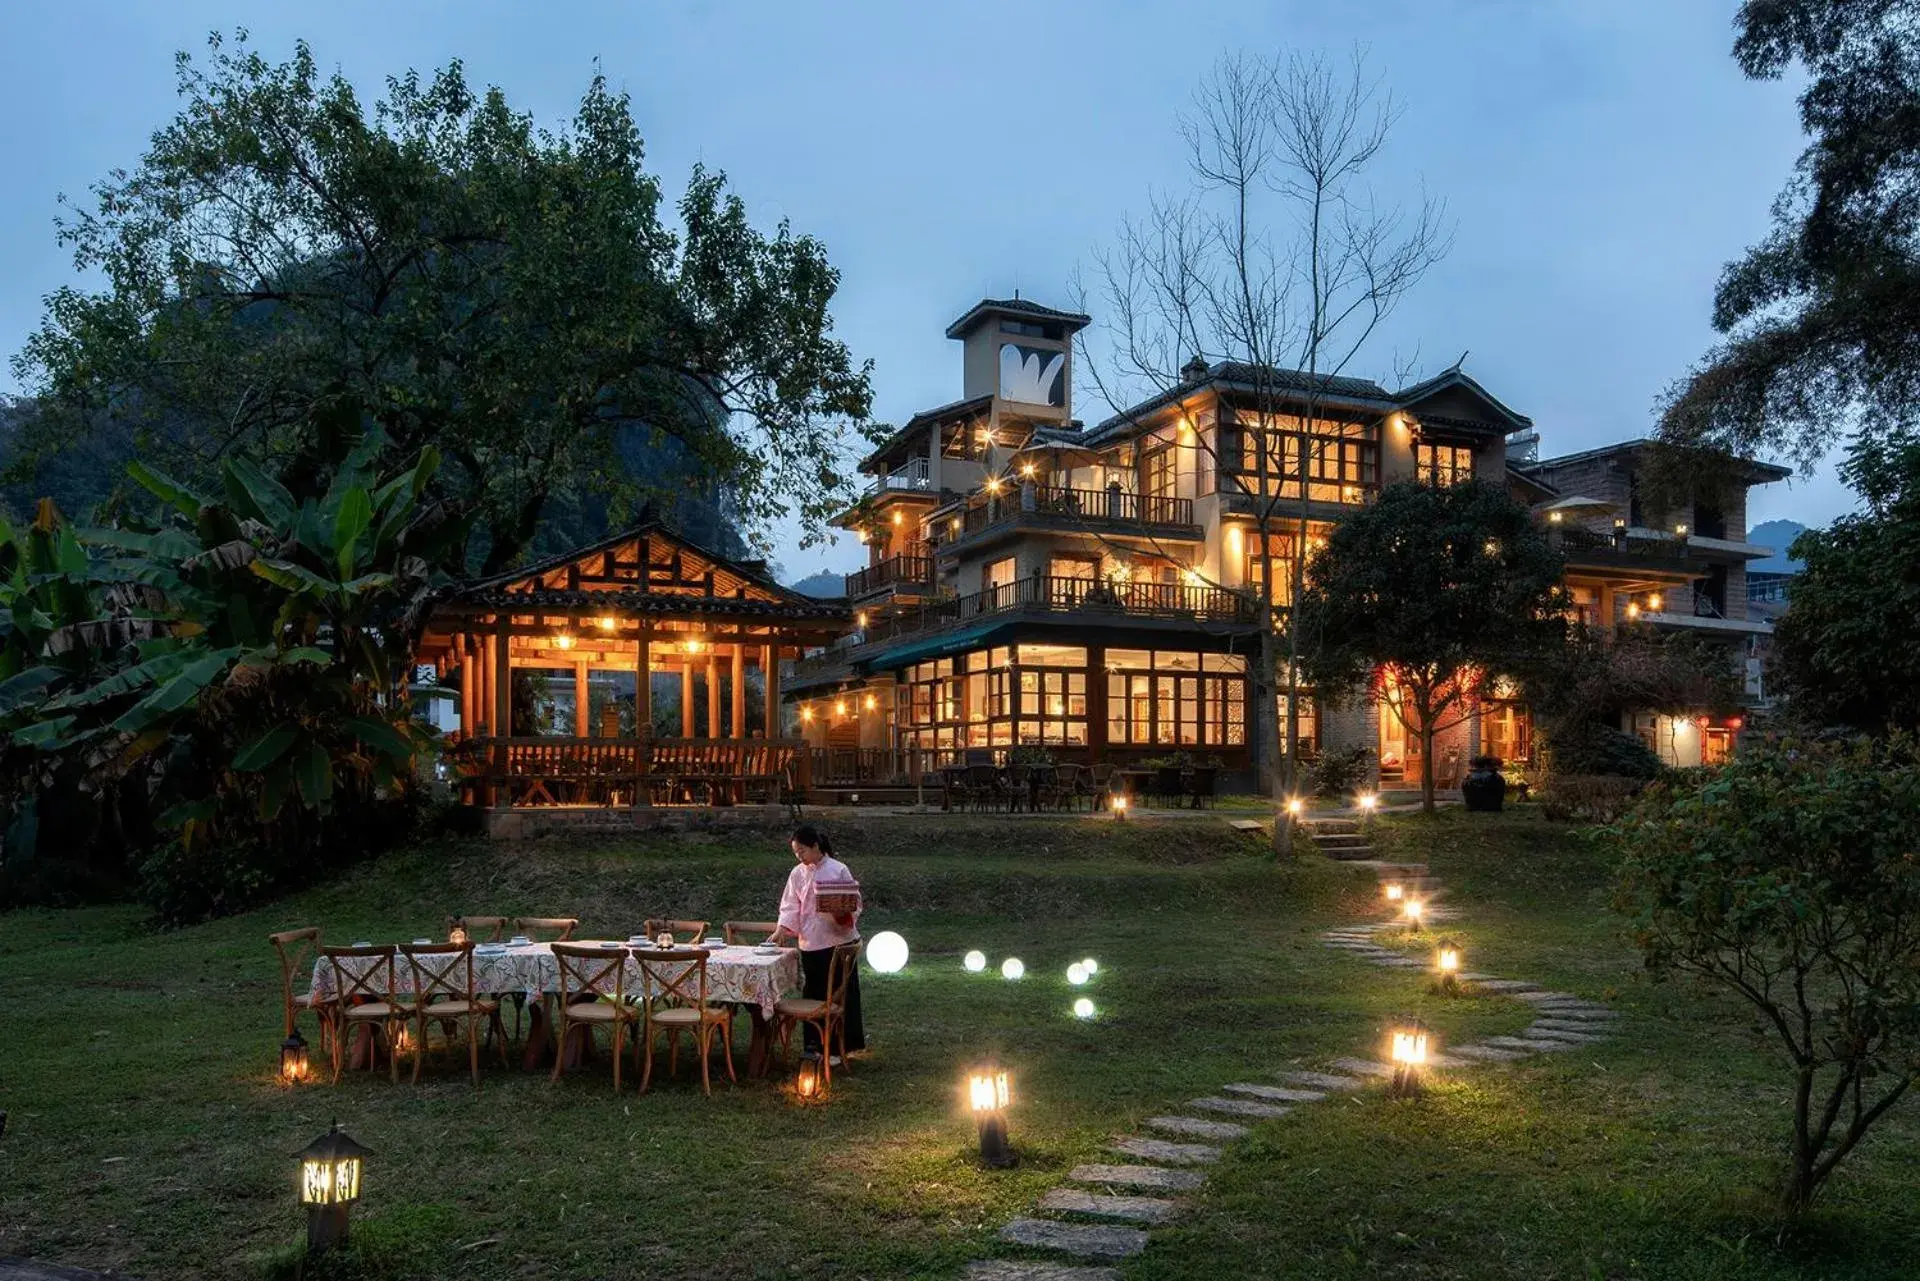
(1093, 506)
(1048, 594)
(903, 571)
(625, 771)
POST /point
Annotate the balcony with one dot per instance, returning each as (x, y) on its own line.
(1591, 548)
(904, 575)
(1059, 507)
(1085, 598)
(912, 478)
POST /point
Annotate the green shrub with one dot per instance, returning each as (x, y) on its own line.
(1593, 748)
(1589, 798)
(1342, 772)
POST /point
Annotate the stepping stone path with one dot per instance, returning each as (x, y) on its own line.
(1562, 1022)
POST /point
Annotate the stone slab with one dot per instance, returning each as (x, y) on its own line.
(1322, 1080)
(1139, 1176)
(1400, 962)
(14, 1269)
(1446, 1061)
(1508, 985)
(1575, 1013)
(1275, 1093)
(1169, 1152)
(1017, 1270)
(1082, 1240)
(1537, 1033)
(1581, 1027)
(1132, 1209)
(1246, 825)
(1547, 998)
(1487, 1053)
(1193, 1127)
(1239, 1107)
(1515, 1043)
(1364, 1067)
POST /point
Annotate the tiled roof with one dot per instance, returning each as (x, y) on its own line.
(952, 409)
(1018, 307)
(1241, 376)
(832, 609)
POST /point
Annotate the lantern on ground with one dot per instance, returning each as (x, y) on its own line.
(989, 1094)
(1368, 803)
(975, 962)
(1408, 1050)
(1447, 961)
(1412, 910)
(1013, 968)
(1120, 807)
(1294, 806)
(329, 1186)
(294, 1066)
(887, 952)
(1077, 974)
(1394, 891)
(809, 1082)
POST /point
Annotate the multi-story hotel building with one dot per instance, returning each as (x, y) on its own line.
(1032, 581)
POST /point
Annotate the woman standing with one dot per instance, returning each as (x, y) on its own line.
(817, 932)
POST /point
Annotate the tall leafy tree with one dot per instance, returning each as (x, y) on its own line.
(513, 296)
(1821, 320)
(1424, 598)
(1843, 650)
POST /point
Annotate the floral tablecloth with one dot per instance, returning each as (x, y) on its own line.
(735, 975)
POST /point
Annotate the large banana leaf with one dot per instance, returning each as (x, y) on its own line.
(178, 691)
(166, 489)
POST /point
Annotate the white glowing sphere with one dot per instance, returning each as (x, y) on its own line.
(1083, 1008)
(887, 952)
(1091, 966)
(1012, 968)
(1076, 974)
(975, 962)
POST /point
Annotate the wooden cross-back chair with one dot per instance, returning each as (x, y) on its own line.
(749, 932)
(555, 929)
(442, 975)
(295, 948)
(675, 1001)
(827, 1015)
(684, 932)
(363, 996)
(481, 929)
(593, 993)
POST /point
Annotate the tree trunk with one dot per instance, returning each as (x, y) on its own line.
(1424, 708)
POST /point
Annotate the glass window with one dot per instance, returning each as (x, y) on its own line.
(1032, 655)
(1173, 662)
(1223, 663)
(1442, 464)
(1129, 659)
(1157, 474)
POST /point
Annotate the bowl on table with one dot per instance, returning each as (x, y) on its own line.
(364, 943)
(519, 940)
(423, 942)
(715, 941)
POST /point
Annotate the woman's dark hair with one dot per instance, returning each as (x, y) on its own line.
(808, 834)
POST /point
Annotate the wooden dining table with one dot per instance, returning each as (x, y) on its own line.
(746, 977)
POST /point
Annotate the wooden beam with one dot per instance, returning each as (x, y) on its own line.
(643, 686)
(770, 669)
(502, 690)
(580, 700)
(738, 686)
(686, 698)
(713, 691)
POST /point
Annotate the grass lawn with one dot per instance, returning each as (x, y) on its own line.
(146, 1132)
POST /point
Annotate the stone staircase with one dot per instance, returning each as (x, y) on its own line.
(1339, 838)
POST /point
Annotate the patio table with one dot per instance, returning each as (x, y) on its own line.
(737, 975)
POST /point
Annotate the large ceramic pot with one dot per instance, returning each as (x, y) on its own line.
(1484, 788)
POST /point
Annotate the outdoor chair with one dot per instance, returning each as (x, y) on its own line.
(294, 947)
(1018, 787)
(749, 932)
(675, 1001)
(956, 792)
(560, 928)
(593, 993)
(363, 996)
(1067, 784)
(1201, 784)
(693, 931)
(827, 1017)
(442, 975)
(481, 929)
(1100, 784)
(1169, 784)
(983, 785)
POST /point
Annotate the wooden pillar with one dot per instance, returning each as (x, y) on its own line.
(643, 685)
(770, 671)
(713, 691)
(501, 687)
(1097, 703)
(686, 695)
(580, 726)
(467, 673)
(739, 689)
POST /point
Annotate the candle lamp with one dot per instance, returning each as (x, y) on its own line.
(330, 1186)
(1408, 1050)
(989, 1093)
(294, 1065)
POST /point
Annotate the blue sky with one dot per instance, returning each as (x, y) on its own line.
(1599, 161)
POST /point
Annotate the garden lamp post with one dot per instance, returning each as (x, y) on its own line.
(989, 1094)
(1409, 1055)
(329, 1186)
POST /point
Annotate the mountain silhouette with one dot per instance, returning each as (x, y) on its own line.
(1779, 535)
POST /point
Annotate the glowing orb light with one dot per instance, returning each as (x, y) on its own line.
(1083, 1008)
(887, 952)
(1091, 966)
(1076, 974)
(975, 962)
(1012, 968)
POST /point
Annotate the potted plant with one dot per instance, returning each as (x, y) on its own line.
(1485, 787)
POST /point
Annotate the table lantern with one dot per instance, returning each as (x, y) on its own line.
(458, 934)
(989, 1094)
(1409, 1054)
(329, 1186)
(663, 940)
(294, 1067)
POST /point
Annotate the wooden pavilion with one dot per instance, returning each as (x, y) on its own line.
(639, 604)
